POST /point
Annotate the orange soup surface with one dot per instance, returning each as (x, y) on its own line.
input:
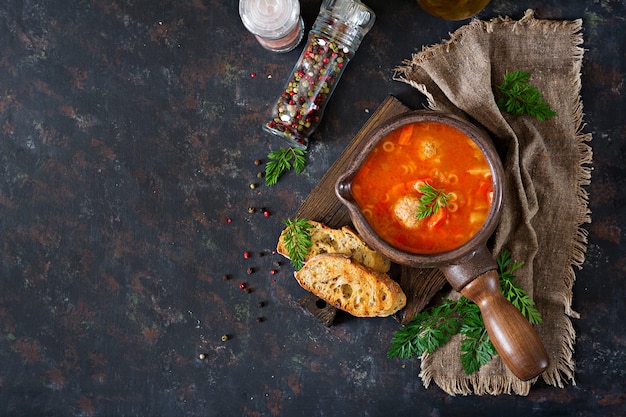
(387, 187)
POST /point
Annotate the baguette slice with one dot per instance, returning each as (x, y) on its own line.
(350, 286)
(345, 241)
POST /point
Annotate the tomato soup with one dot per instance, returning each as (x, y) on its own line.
(390, 183)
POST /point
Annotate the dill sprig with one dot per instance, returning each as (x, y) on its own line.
(297, 240)
(519, 97)
(433, 328)
(281, 161)
(431, 200)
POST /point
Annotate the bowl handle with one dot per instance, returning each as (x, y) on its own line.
(512, 335)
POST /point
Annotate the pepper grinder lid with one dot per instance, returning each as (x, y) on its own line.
(357, 18)
(270, 19)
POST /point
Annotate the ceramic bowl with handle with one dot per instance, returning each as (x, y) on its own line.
(470, 267)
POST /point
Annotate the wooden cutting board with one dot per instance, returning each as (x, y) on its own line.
(322, 205)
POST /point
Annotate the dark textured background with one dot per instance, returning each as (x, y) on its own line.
(128, 135)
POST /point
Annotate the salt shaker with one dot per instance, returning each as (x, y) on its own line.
(276, 24)
(332, 42)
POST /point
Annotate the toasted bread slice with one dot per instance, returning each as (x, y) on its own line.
(350, 286)
(345, 241)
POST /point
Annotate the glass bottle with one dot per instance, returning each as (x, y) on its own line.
(453, 9)
(276, 24)
(333, 40)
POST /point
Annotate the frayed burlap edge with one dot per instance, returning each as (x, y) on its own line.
(564, 370)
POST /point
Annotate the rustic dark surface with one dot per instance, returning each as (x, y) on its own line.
(129, 132)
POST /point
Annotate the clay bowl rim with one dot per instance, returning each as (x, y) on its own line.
(371, 139)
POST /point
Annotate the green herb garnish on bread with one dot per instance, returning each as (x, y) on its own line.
(337, 266)
(324, 239)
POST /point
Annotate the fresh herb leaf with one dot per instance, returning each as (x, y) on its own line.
(297, 240)
(519, 97)
(281, 161)
(433, 328)
(476, 348)
(513, 292)
(427, 331)
(431, 200)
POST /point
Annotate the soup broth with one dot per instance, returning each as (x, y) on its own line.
(389, 185)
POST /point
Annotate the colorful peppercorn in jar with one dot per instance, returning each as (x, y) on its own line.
(333, 40)
(276, 24)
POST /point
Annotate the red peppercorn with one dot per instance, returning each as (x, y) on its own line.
(242, 286)
(272, 272)
(246, 255)
(228, 220)
(266, 213)
(253, 74)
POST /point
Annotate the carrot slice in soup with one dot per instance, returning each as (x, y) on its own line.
(405, 135)
(437, 219)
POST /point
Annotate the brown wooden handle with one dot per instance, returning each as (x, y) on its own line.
(512, 335)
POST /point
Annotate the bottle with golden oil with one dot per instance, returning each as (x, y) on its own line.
(453, 9)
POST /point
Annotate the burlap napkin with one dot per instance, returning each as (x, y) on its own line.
(547, 165)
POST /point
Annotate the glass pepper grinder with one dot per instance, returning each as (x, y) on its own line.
(333, 40)
(276, 24)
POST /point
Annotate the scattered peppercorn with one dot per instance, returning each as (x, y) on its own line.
(259, 175)
(202, 356)
(228, 220)
(257, 162)
(266, 213)
(246, 255)
(252, 186)
(242, 286)
(247, 290)
(261, 304)
(225, 277)
(249, 271)
(272, 272)
(259, 319)
(224, 337)
(251, 210)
